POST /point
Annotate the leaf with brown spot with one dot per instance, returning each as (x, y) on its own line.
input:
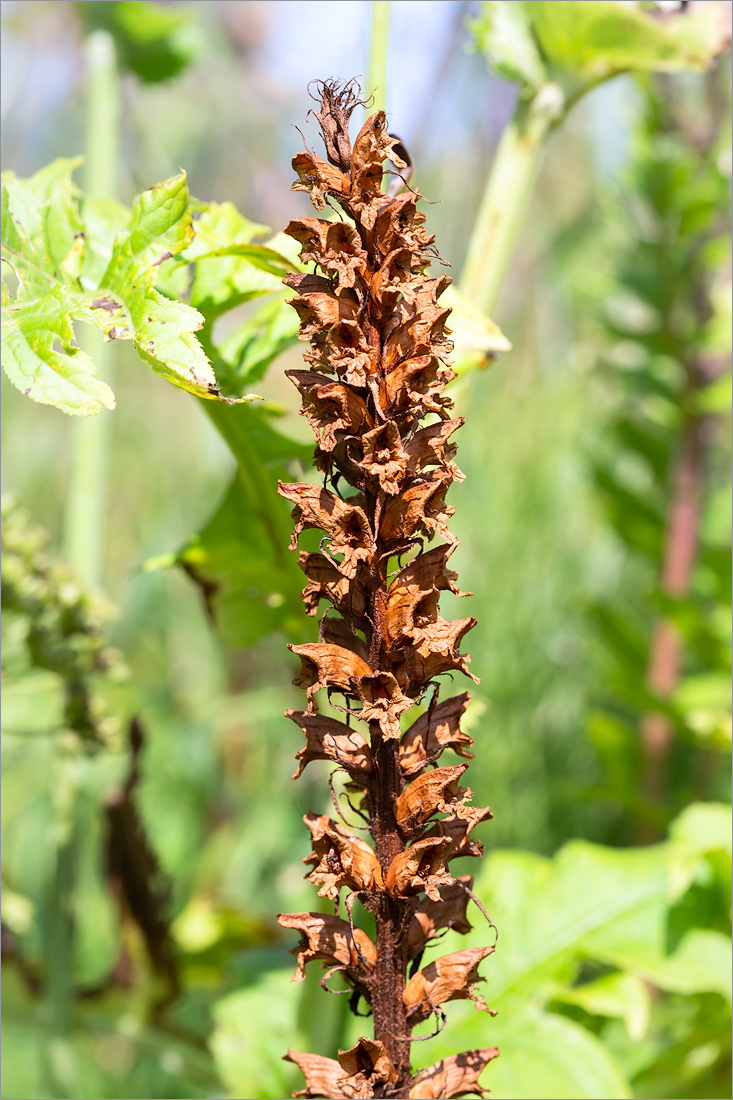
(340, 858)
(454, 1076)
(346, 523)
(450, 978)
(366, 1065)
(329, 938)
(328, 666)
(420, 867)
(327, 739)
(436, 730)
(383, 702)
(435, 791)
(323, 1077)
(430, 917)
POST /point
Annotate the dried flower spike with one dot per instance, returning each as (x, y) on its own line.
(377, 367)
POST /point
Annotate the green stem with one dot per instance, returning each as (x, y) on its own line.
(85, 505)
(508, 189)
(376, 84)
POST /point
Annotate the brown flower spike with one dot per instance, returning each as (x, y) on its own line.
(377, 367)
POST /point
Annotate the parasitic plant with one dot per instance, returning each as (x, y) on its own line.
(373, 393)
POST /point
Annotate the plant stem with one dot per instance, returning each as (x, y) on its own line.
(85, 504)
(508, 189)
(376, 84)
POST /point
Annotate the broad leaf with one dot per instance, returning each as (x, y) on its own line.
(154, 41)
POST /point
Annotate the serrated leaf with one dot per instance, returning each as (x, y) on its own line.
(41, 358)
(127, 304)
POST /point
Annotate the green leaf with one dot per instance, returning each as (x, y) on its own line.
(593, 41)
(240, 559)
(246, 354)
(229, 268)
(127, 304)
(41, 358)
(155, 41)
(621, 995)
(542, 1055)
(701, 964)
(504, 33)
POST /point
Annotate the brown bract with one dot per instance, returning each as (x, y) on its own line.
(328, 938)
(435, 791)
(454, 1076)
(450, 978)
(421, 868)
(378, 363)
(430, 917)
(438, 729)
(340, 858)
(365, 1066)
(327, 739)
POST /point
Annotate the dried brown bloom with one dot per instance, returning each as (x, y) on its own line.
(454, 1076)
(378, 364)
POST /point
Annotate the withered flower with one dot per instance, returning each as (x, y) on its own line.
(454, 1076)
(378, 363)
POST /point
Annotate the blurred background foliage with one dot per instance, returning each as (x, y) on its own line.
(151, 830)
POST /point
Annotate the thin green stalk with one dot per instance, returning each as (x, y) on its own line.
(376, 84)
(85, 505)
(508, 189)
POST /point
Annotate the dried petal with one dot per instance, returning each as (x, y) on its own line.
(421, 867)
(329, 938)
(346, 523)
(373, 144)
(420, 507)
(450, 978)
(326, 582)
(339, 632)
(433, 792)
(383, 702)
(458, 827)
(318, 305)
(454, 1076)
(329, 666)
(412, 600)
(318, 178)
(323, 1076)
(400, 224)
(366, 1065)
(436, 650)
(429, 447)
(385, 459)
(449, 911)
(329, 407)
(337, 102)
(434, 731)
(327, 739)
(340, 858)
